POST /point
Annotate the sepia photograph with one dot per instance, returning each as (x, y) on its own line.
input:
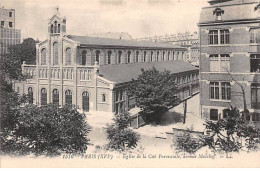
(129, 84)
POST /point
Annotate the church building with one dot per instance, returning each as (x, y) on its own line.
(92, 73)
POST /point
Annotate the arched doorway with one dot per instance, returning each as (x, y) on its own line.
(30, 95)
(85, 101)
(55, 97)
(68, 97)
(43, 96)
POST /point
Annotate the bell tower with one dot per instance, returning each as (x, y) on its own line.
(57, 24)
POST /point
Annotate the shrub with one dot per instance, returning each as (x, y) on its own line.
(120, 136)
(47, 130)
(187, 143)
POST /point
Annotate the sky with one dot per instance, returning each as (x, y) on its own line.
(139, 18)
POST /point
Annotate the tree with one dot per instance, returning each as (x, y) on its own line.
(231, 134)
(155, 92)
(120, 136)
(11, 61)
(47, 130)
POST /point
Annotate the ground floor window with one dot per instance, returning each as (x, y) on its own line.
(255, 96)
(43, 96)
(256, 117)
(68, 97)
(225, 113)
(55, 96)
(85, 101)
(30, 95)
(214, 114)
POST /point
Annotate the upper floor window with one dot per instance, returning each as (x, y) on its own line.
(43, 57)
(255, 35)
(224, 36)
(52, 28)
(128, 56)
(157, 56)
(2, 24)
(10, 24)
(58, 30)
(55, 54)
(219, 62)
(103, 97)
(119, 56)
(10, 14)
(109, 53)
(213, 37)
(151, 58)
(137, 56)
(83, 57)
(144, 56)
(68, 56)
(97, 56)
(255, 63)
(220, 90)
(55, 27)
(163, 56)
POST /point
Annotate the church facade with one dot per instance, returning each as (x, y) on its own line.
(92, 73)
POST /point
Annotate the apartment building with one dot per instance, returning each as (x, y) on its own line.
(230, 57)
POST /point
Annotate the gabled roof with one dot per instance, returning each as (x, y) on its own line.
(92, 41)
(233, 10)
(121, 73)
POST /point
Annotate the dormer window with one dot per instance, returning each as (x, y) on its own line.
(218, 12)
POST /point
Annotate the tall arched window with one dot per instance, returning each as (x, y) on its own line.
(157, 57)
(137, 56)
(83, 57)
(55, 54)
(52, 28)
(68, 56)
(43, 57)
(144, 56)
(163, 56)
(68, 97)
(55, 96)
(43, 96)
(30, 95)
(128, 56)
(55, 27)
(119, 56)
(58, 28)
(97, 56)
(109, 53)
(151, 58)
(103, 97)
(85, 101)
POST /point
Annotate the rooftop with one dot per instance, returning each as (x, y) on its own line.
(246, 10)
(90, 41)
(121, 73)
